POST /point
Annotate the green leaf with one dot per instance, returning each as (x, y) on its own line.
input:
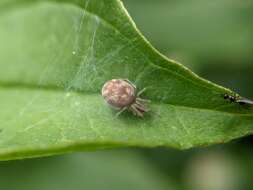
(56, 55)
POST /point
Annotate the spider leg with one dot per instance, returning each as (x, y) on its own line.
(142, 91)
(121, 111)
(141, 107)
(136, 111)
(132, 110)
(130, 82)
(143, 100)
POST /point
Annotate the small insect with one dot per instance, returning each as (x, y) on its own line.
(237, 99)
(121, 94)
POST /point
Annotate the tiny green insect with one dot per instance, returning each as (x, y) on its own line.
(122, 94)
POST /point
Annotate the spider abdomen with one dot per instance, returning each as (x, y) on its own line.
(119, 93)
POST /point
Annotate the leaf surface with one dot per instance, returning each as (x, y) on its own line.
(56, 55)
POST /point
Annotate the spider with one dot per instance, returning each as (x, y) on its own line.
(122, 94)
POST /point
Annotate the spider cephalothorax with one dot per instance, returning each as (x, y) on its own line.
(122, 94)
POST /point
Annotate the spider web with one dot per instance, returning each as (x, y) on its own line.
(83, 78)
(85, 75)
(85, 66)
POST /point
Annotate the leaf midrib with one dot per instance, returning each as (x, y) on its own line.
(58, 89)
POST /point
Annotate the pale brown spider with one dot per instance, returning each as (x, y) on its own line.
(121, 94)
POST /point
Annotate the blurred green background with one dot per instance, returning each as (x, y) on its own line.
(212, 38)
